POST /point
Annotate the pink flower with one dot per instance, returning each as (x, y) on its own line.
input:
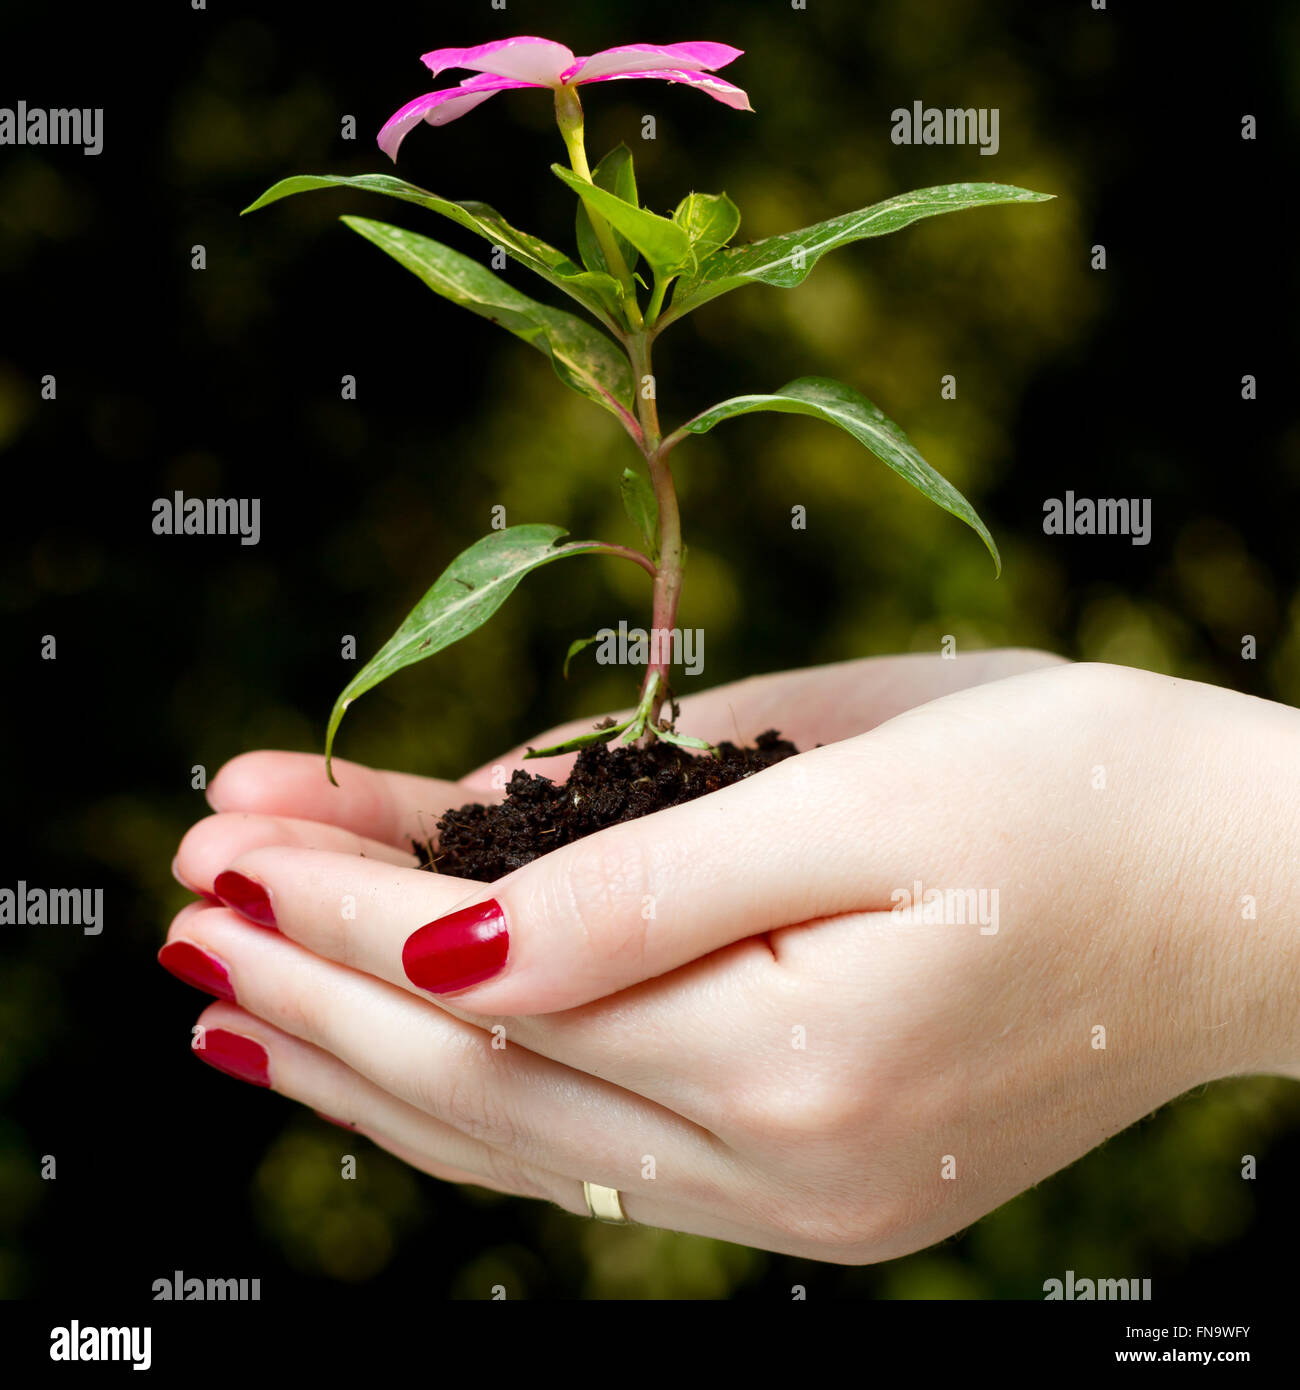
(528, 62)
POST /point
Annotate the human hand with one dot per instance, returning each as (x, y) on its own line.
(928, 1048)
(269, 798)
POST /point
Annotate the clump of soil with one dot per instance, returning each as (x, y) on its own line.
(607, 786)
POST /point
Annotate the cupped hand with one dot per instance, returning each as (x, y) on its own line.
(840, 1009)
(269, 798)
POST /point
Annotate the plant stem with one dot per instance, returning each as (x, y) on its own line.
(568, 116)
(637, 729)
(672, 441)
(656, 300)
(668, 572)
(623, 552)
(668, 576)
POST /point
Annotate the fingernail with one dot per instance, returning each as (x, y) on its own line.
(187, 962)
(342, 1124)
(458, 950)
(245, 896)
(234, 1054)
(193, 887)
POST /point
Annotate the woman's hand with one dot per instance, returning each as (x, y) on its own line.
(270, 798)
(715, 1009)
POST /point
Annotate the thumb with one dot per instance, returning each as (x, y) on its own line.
(641, 898)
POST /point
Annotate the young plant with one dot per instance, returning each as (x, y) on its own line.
(637, 274)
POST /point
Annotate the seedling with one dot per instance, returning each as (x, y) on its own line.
(637, 274)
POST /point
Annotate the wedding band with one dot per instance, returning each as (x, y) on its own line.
(605, 1204)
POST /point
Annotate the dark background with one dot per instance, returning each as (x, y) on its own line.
(182, 651)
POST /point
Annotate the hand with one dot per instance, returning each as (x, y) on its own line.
(822, 704)
(1120, 817)
(272, 798)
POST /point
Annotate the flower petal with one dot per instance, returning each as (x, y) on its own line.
(440, 107)
(636, 58)
(536, 61)
(719, 90)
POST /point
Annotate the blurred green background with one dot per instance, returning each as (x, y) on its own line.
(225, 383)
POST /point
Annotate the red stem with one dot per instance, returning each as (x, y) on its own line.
(623, 552)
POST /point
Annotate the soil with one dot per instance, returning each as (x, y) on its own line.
(607, 786)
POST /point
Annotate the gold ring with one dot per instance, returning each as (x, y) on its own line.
(605, 1204)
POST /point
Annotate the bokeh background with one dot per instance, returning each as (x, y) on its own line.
(174, 652)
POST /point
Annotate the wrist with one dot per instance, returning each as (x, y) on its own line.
(1238, 895)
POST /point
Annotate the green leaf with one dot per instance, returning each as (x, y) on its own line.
(577, 645)
(785, 260)
(683, 740)
(593, 292)
(663, 243)
(615, 174)
(572, 745)
(642, 507)
(467, 593)
(604, 288)
(841, 405)
(710, 220)
(583, 357)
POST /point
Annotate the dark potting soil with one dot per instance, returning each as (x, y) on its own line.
(607, 786)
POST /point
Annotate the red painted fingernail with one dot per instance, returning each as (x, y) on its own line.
(187, 962)
(245, 896)
(342, 1124)
(461, 949)
(234, 1054)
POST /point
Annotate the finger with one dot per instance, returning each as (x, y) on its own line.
(191, 909)
(643, 1209)
(240, 1044)
(346, 908)
(644, 897)
(589, 919)
(211, 844)
(414, 1158)
(501, 1094)
(392, 807)
(360, 913)
(821, 704)
(246, 1046)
